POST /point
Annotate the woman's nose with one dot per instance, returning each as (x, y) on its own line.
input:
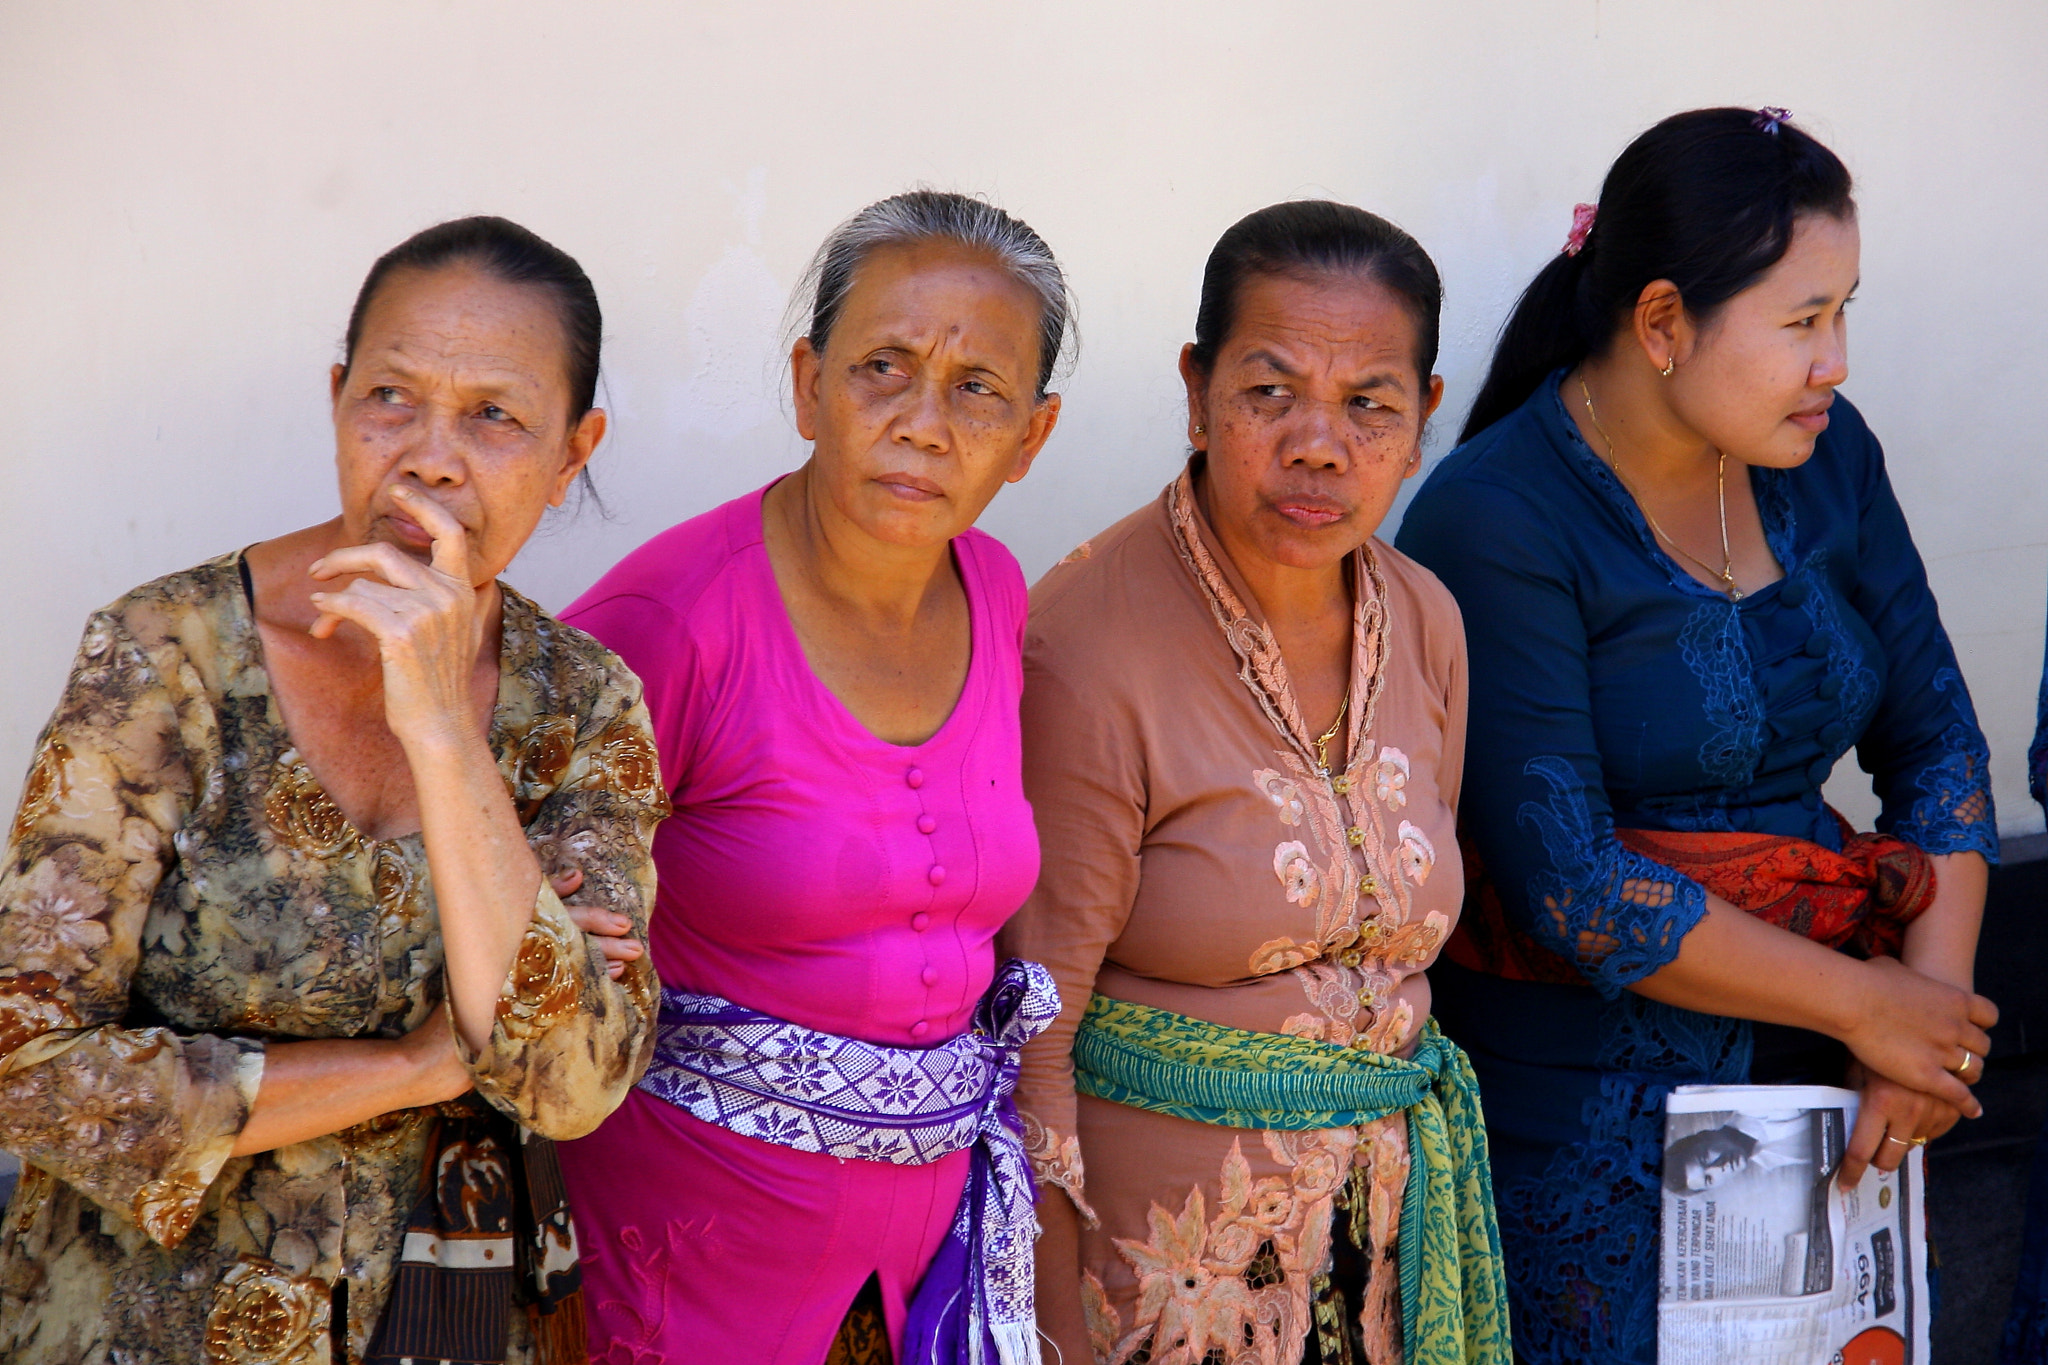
(437, 457)
(923, 422)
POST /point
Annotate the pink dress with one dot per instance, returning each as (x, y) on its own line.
(813, 872)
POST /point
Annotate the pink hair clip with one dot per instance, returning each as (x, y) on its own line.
(1582, 227)
(1768, 118)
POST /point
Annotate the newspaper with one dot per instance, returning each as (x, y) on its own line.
(1765, 1259)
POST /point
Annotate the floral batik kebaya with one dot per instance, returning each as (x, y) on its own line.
(177, 892)
(1197, 859)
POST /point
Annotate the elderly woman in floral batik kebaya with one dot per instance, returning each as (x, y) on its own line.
(1244, 722)
(291, 1009)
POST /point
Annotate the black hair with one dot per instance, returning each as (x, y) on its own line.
(1313, 237)
(1709, 1147)
(509, 253)
(1706, 199)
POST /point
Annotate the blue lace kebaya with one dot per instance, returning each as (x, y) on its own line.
(1611, 689)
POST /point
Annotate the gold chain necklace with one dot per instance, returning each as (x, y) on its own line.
(1726, 573)
(1323, 740)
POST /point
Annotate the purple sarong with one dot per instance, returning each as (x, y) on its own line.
(755, 1074)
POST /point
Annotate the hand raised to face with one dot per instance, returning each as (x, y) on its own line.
(458, 387)
(427, 619)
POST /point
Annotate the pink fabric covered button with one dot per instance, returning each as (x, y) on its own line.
(920, 1029)
(925, 824)
(920, 921)
(937, 875)
(915, 777)
(928, 975)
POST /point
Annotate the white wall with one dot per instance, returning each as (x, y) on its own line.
(189, 193)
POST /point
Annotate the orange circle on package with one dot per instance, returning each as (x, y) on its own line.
(1875, 1346)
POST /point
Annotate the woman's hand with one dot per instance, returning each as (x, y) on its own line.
(426, 618)
(1890, 1111)
(1891, 1120)
(608, 926)
(1913, 1031)
(323, 1085)
(439, 1072)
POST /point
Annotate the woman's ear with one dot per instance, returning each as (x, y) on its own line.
(805, 368)
(1197, 381)
(1662, 329)
(1044, 417)
(583, 443)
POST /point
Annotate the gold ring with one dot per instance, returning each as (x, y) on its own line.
(1968, 1057)
(1903, 1142)
(1917, 1142)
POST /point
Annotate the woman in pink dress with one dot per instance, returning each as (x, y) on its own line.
(833, 671)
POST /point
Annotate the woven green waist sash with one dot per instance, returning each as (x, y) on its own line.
(1453, 1296)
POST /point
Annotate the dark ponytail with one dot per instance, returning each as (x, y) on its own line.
(1706, 199)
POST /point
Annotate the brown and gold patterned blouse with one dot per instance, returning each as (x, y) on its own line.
(177, 890)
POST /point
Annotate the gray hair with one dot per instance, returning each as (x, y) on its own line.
(920, 216)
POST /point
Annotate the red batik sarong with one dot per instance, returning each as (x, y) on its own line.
(1859, 900)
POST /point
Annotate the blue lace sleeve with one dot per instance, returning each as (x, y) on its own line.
(1924, 750)
(1535, 807)
(1617, 915)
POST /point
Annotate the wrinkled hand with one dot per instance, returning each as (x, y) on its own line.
(608, 927)
(426, 619)
(441, 1073)
(1914, 1030)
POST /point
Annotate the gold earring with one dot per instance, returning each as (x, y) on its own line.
(1200, 429)
(1670, 364)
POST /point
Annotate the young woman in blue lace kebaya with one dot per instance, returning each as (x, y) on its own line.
(1688, 591)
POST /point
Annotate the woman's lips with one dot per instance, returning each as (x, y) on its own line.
(1310, 514)
(409, 532)
(1815, 418)
(911, 488)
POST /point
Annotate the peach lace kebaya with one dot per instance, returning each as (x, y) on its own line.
(1195, 860)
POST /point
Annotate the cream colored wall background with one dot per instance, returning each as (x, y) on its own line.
(190, 192)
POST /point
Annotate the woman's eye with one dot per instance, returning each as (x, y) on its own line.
(491, 412)
(881, 364)
(976, 386)
(1270, 390)
(1367, 404)
(384, 393)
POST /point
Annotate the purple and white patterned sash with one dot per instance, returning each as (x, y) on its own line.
(765, 1077)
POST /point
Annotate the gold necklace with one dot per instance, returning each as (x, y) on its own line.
(1323, 740)
(1726, 573)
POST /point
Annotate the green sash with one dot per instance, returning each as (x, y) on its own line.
(1453, 1296)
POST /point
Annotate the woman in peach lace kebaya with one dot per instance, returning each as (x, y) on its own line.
(275, 940)
(1244, 721)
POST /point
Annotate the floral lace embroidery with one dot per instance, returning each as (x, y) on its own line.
(1954, 814)
(1712, 645)
(1305, 800)
(651, 1266)
(1056, 1161)
(1235, 1289)
(1580, 1241)
(1858, 697)
(1617, 915)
